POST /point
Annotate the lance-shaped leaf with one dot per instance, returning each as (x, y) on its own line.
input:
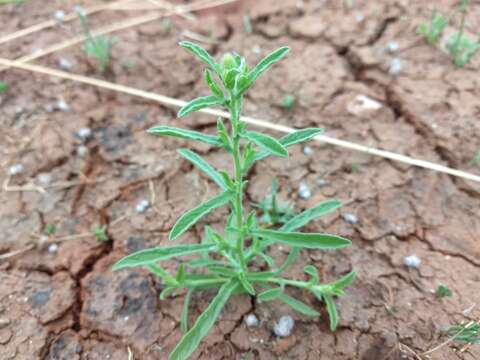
(192, 216)
(306, 240)
(197, 160)
(150, 256)
(292, 139)
(306, 216)
(184, 316)
(267, 62)
(202, 54)
(313, 272)
(214, 88)
(344, 281)
(332, 311)
(297, 305)
(270, 294)
(200, 103)
(204, 323)
(266, 142)
(185, 134)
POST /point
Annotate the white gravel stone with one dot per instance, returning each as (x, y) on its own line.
(350, 218)
(16, 169)
(59, 15)
(65, 64)
(84, 133)
(62, 105)
(284, 326)
(142, 206)
(304, 191)
(392, 46)
(52, 248)
(412, 261)
(307, 150)
(396, 66)
(251, 320)
(44, 178)
(82, 151)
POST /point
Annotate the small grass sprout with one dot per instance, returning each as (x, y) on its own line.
(226, 260)
(467, 333)
(100, 233)
(273, 211)
(51, 229)
(288, 102)
(3, 87)
(432, 32)
(443, 291)
(99, 47)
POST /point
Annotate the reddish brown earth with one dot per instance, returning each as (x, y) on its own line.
(69, 305)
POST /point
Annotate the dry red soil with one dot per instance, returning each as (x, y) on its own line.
(67, 304)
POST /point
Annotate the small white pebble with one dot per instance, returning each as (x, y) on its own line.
(257, 50)
(65, 64)
(49, 108)
(307, 150)
(304, 191)
(44, 178)
(84, 133)
(52, 248)
(79, 10)
(82, 151)
(412, 261)
(59, 15)
(62, 105)
(359, 17)
(126, 318)
(284, 327)
(251, 320)
(142, 206)
(322, 182)
(350, 218)
(392, 46)
(16, 169)
(396, 66)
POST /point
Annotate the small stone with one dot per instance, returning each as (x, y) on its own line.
(396, 66)
(307, 150)
(322, 182)
(84, 133)
(82, 151)
(62, 105)
(52, 248)
(304, 191)
(284, 327)
(49, 108)
(412, 261)
(4, 323)
(350, 218)
(142, 206)
(44, 178)
(65, 64)
(59, 15)
(392, 46)
(251, 320)
(16, 169)
(257, 50)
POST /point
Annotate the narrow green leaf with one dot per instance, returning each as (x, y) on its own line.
(299, 306)
(192, 216)
(308, 215)
(313, 272)
(309, 241)
(166, 292)
(204, 323)
(180, 274)
(221, 270)
(162, 274)
(266, 142)
(196, 263)
(201, 53)
(332, 311)
(292, 256)
(260, 275)
(292, 139)
(199, 162)
(270, 294)
(3, 87)
(345, 281)
(267, 62)
(246, 284)
(199, 103)
(184, 134)
(150, 256)
(214, 88)
(184, 316)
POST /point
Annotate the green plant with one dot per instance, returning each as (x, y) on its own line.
(3, 87)
(461, 47)
(468, 333)
(433, 30)
(273, 211)
(16, 2)
(100, 47)
(50, 229)
(443, 291)
(288, 102)
(100, 233)
(227, 260)
(475, 159)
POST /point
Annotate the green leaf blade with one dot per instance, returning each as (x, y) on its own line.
(299, 306)
(199, 103)
(332, 311)
(149, 256)
(306, 240)
(268, 62)
(201, 53)
(184, 134)
(270, 294)
(189, 218)
(204, 323)
(308, 215)
(199, 162)
(266, 142)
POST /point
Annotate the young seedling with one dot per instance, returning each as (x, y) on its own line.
(274, 212)
(3, 87)
(50, 229)
(443, 291)
(100, 233)
(461, 47)
(225, 258)
(433, 31)
(99, 47)
(475, 160)
(288, 102)
(468, 333)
